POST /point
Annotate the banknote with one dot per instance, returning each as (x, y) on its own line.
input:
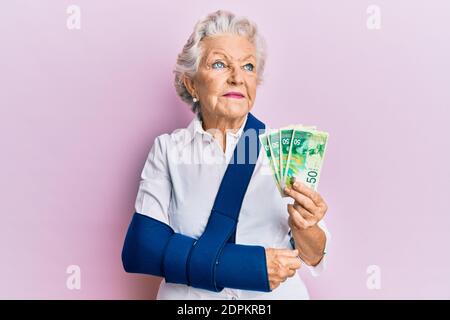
(295, 152)
(285, 146)
(296, 157)
(306, 157)
(274, 142)
(273, 164)
(286, 136)
(314, 159)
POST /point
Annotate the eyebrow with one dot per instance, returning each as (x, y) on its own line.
(225, 55)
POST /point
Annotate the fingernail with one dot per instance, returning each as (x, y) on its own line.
(287, 190)
(297, 184)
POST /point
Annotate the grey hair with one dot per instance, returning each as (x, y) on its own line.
(215, 24)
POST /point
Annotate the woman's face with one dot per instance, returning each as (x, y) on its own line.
(228, 65)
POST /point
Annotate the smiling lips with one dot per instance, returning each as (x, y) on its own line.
(235, 95)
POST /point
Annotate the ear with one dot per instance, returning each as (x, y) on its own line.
(189, 84)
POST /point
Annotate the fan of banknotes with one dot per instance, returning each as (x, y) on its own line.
(295, 153)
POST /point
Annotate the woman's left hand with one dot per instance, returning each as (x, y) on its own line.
(308, 208)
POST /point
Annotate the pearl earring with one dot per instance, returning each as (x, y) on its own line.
(195, 99)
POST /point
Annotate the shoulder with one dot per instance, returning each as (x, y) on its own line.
(173, 140)
(176, 138)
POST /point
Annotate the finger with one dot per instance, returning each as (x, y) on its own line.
(292, 272)
(297, 219)
(291, 263)
(305, 213)
(278, 274)
(291, 223)
(284, 273)
(309, 216)
(287, 252)
(274, 285)
(307, 191)
(302, 199)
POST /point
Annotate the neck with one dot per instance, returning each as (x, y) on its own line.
(219, 126)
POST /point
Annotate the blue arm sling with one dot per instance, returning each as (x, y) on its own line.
(214, 261)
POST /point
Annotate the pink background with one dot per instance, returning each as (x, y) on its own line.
(79, 110)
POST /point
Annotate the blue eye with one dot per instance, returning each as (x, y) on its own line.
(218, 63)
(251, 66)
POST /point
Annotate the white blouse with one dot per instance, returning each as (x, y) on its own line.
(179, 182)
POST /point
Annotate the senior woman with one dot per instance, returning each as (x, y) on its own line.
(214, 229)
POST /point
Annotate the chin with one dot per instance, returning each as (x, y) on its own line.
(235, 110)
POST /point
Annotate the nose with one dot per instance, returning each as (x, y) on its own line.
(236, 78)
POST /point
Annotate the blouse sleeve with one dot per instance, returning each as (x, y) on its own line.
(155, 187)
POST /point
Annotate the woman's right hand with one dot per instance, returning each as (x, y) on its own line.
(281, 264)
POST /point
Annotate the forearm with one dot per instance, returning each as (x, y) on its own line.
(310, 243)
(152, 247)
